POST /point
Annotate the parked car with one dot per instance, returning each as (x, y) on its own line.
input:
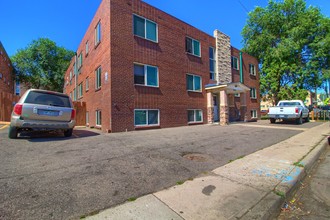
(42, 110)
(289, 110)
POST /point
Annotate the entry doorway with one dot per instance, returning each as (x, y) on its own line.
(215, 108)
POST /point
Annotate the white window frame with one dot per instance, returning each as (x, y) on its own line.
(80, 60)
(214, 64)
(195, 121)
(253, 93)
(192, 46)
(252, 69)
(98, 77)
(145, 28)
(201, 83)
(254, 113)
(147, 125)
(97, 34)
(80, 90)
(98, 118)
(232, 62)
(146, 75)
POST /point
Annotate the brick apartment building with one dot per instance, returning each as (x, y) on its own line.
(7, 83)
(138, 67)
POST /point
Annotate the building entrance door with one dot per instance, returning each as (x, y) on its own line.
(215, 108)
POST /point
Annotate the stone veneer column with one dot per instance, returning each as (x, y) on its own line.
(223, 58)
(224, 108)
(210, 112)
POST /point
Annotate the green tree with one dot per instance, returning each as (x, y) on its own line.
(291, 43)
(42, 64)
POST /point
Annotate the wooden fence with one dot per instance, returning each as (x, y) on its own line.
(7, 102)
(80, 113)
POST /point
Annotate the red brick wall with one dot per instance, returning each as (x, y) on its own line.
(7, 83)
(98, 55)
(249, 80)
(171, 98)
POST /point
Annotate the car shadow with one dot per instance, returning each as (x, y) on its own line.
(46, 136)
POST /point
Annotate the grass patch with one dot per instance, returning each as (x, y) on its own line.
(132, 199)
(298, 164)
(90, 214)
(280, 194)
(240, 157)
(179, 182)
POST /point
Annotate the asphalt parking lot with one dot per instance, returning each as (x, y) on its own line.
(48, 176)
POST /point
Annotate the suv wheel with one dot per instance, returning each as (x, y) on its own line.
(12, 132)
(68, 133)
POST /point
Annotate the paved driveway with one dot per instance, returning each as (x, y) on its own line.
(47, 176)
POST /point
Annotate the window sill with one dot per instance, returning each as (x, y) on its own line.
(137, 36)
(98, 89)
(195, 91)
(97, 44)
(140, 85)
(191, 54)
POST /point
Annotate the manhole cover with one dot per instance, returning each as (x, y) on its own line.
(195, 157)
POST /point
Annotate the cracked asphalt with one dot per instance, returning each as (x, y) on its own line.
(47, 176)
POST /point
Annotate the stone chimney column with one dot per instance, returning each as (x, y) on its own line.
(223, 58)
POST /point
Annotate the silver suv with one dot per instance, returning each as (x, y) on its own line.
(42, 110)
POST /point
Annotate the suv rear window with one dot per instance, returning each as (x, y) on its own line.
(42, 98)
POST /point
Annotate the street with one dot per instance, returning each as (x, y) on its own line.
(52, 177)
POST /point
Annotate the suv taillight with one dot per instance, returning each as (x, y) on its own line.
(297, 110)
(18, 109)
(73, 114)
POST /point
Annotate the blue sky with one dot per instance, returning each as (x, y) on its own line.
(65, 21)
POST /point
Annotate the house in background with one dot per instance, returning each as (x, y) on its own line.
(138, 67)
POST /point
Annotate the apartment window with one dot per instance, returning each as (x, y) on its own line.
(74, 95)
(237, 95)
(194, 83)
(87, 117)
(254, 113)
(98, 33)
(70, 77)
(98, 118)
(145, 75)
(146, 117)
(86, 48)
(195, 115)
(252, 69)
(74, 69)
(80, 60)
(87, 83)
(98, 78)
(212, 63)
(145, 28)
(253, 93)
(193, 46)
(234, 63)
(71, 95)
(80, 90)
(1, 75)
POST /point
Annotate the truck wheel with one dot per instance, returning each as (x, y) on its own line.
(68, 133)
(12, 134)
(272, 120)
(299, 120)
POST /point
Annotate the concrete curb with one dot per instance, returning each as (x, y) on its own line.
(298, 174)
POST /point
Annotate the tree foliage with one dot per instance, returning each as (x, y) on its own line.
(292, 44)
(42, 64)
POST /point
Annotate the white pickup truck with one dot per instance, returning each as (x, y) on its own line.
(289, 110)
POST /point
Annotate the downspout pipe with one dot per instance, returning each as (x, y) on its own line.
(241, 67)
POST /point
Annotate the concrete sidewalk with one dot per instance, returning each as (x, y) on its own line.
(253, 187)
